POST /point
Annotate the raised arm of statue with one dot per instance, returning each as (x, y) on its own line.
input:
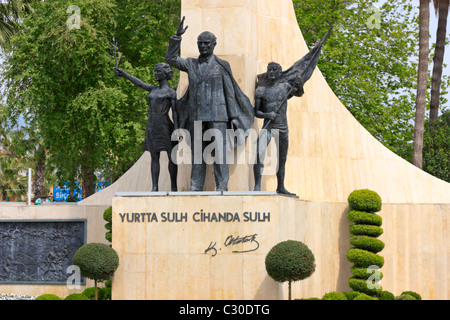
(172, 57)
(137, 82)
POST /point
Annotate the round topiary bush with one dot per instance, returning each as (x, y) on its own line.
(363, 296)
(414, 294)
(364, 200)
(350, 295)
(386, 295)
(405, 297)
(290, 261)
(48, 296)
(334, 296)
(76, 296)
(96, 261)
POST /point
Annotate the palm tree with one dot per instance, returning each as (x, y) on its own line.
(12, 182)
(424, 26)
(441, 7)
(10, 12)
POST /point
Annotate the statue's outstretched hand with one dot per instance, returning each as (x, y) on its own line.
(181, 30)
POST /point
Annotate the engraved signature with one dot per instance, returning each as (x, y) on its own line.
(232, 241)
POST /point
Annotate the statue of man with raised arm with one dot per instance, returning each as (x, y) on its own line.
(213, 101)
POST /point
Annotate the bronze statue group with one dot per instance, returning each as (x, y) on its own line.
(214, 101)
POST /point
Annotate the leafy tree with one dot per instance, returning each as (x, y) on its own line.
(368, 61)
(436, 148)
(61, 81)
(10, 13)
(441, 7)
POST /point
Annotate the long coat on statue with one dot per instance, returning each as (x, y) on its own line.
(213, 94)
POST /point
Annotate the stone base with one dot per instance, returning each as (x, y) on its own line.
(201, 245)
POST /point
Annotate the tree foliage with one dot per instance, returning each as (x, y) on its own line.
(61, 81)
(368, 61)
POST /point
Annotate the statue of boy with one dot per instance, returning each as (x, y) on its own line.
(273, 89)
(271, 105)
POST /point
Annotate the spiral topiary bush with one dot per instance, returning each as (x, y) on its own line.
(107, 216)
(365, 229)
(290, 261)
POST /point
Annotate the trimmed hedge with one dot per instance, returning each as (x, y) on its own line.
(362, 273)
(363, 296)
(364, 259)
(367, 243)
(360, 285)
(361, 217)
(107, 214)
(48, 296)
(364, 229)
(364, 200)
(386, 295)
(414, 294)
(334, 296)
(405, 297)
(76, 296)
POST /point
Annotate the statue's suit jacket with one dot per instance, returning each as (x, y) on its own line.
(213, 94)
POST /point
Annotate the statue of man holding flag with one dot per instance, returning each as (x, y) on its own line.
(273, 89)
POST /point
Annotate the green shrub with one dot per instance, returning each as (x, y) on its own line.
(334, 296)
(108, 226)
(365, 230)
(414, 294)
(361, 286)
(364, 273)
(364, 259)
(350, 295)
(290, 261)
(76, 296)
(361, 217)
(364, 200)
(367, 243)
(96, 261)
(386, 295)
(405, 297)
(108, 236)
(107, 214)
(90, 293)
(363, 296)
(48, 296)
